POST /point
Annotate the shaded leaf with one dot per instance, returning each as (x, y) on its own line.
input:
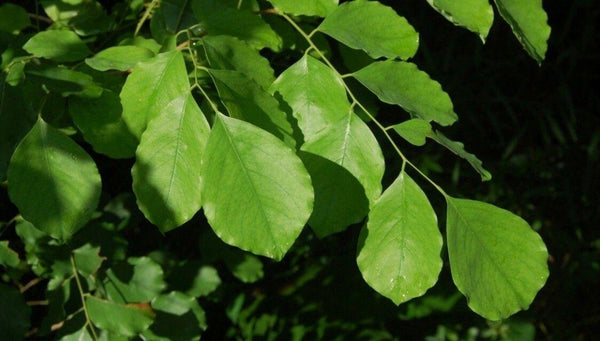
(87, 259)
(402, 83)
(179, 317)
(399, 248)
(245, 267)
(459, 149)
(169, 18)
(8, 257)
(529, 23)
(475, 15)
(58, 45)
(244, 164)
(137, 280)
(194, 279)
(128, 320)
(66, 82)
(166, 174)
(54, 182)
(14, 314)
(13, 18)
(320, 8)
(498, 262)
(120, 58)
(373, 27)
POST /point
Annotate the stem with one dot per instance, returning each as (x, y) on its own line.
(145, 16)
(40, 18)
(82, 295)
(356, 102)
(196, 84)
(30, 284)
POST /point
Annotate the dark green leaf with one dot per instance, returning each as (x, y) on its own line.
(13, 18)
(60, 46)
(166, 174)
(8, 257)
(498, 262)
(179, 317)
(475, 15)
(399, 248)
(14, 314)
(459, 149)
(169, 18)
(194, 279)
(137, 280)
(245, 267)
(120, 58)
(54, 182)
(320, 8)
(372, 27)
(128, 320)
(66, 82)
(245, 164)
(404, 84)
(87, 259)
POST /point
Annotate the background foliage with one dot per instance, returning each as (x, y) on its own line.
(535, 127)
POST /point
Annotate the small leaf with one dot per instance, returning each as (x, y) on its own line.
(14, 314)
(100, 122)
(13, 18)
(60, 46)
(404, 84)
(150, 87)
(498, 262)
(54, 182)
(137, 280)
(529, 23)
(415, 131)
(66, 82)
(319, 8)
(194, 279)
(179, 317)
(475, 15)
(247, 101)
(399, 248)
(245, 267)
(459, 149)
(8, 257)
(230, 53)
(166, 174)
(120, 58)
(87, 259)
(257, 194)
(128, 320)
(375, 28)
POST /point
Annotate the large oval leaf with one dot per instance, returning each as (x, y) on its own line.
(54, 182)
(257, 195)
(529, 23)
(166, 174)
(372, 27)
(58, 45)
(399, 248)
(404, 84)
(150, 87)
(498, 262)
(475, 15)
(319, 8)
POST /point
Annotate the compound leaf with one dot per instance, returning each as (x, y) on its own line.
(54, 182)
(498, 262)
(257, 195)
(375, 28)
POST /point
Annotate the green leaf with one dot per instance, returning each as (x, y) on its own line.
(179, 317)
(169, 18)
(399, 248)
(498, 262)
(120, 58)
(60, 46)
(475, 15)
(415, 131)
(230, 53)
(245, 164)
(375, 28)
(87, 259)
(529, 23)
(194, 279)
(100, 122)
(85, 17)
(402, 83)
(242, 24)
(319, 8)
(137, 280)
(247, 101)
(54, 182)
(152, 86)
(245, 267)
(13, 18)
(14, 314)
(128, 320)
(166, 174)
(459, 149)
(75, 329)
(8, 257)
(66, 82)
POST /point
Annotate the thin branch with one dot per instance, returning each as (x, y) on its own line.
(40, 18)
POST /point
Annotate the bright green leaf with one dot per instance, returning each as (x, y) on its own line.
(150, 87)
(257, 194)
(402, 83)
(529, 23)
(230, 53)
(13, 18)
(137, 280)
(166, 174)
(247, 101)
(120, 58)
(459, 149)
(100, 122)
(399, 248)
(498, 262)
(87, 259)
(54, 182)
(373, 27)
(8, 257)
(320, 8)
(128, 320)
(475, 15)
(60, 46)
(415, 131)
(14, 314)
